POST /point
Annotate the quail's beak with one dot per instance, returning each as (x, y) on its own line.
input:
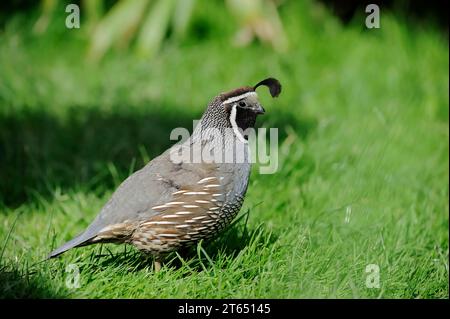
(259, 109)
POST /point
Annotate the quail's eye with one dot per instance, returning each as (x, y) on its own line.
(242, 104)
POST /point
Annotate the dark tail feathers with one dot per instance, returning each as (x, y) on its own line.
(77, 241)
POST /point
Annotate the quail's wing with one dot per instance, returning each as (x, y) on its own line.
(160, 193)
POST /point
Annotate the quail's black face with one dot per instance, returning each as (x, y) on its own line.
(250, 104)
(238, 108)
(242, 110)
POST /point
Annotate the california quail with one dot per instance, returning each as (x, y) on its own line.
(170, 204)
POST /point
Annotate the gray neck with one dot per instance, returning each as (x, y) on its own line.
(214, 132)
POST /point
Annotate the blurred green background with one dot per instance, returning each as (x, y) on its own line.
(362, 119)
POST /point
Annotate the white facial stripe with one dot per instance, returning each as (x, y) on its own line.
(237, 98)
(234, 125)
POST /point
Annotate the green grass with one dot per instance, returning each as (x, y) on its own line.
(362, 179)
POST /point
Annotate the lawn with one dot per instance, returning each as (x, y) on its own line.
(362, 183)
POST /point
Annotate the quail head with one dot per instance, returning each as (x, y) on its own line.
(191, 191)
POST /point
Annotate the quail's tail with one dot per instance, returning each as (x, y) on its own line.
(77, 241)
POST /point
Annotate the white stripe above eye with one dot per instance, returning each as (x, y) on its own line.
(238, 97)
(234, 125)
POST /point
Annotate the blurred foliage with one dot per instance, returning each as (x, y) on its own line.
(416, 11)
(145, 24)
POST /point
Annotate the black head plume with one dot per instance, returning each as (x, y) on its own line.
(273, 85)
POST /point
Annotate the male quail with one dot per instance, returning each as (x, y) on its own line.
(171, 204)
